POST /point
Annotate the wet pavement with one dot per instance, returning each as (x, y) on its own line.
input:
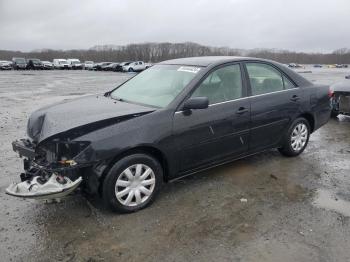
(297, 209)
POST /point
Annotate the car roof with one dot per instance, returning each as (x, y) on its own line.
(207, 60)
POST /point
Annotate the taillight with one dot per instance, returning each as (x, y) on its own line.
(330, 92)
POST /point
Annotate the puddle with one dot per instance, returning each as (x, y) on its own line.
(330, 201)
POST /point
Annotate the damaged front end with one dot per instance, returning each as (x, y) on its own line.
(50, 171)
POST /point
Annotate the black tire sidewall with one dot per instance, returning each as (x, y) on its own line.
(108, 190)
(287, 146)
(334, 113)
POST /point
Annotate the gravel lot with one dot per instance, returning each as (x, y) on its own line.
(297, 209)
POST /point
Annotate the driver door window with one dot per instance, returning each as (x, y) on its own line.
(224, 84)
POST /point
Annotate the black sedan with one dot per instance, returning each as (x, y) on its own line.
(340, 93)
(119, 68)
(176, 118)
(34, 64)
(100, 66)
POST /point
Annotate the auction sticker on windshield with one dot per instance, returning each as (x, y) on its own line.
(189, 69)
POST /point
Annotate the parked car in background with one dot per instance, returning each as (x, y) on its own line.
(134, 67)
(119, 68)
(110, 67)
(5, 65)
(148, 65)
(318, 66)
(47, 65)
(19, 63)
(176, 118)
(294, 65)
(99, 66)
(75, 63)
(341, 66)
(88, 65)
(34, 64)
(61, 64)
(340, 98)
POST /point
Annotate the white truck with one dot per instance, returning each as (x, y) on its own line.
(134, 66)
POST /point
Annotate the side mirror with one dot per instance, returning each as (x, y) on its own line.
(196, 103)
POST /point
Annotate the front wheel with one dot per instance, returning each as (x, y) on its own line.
(132, 183)
(131, 70)
(296, 139)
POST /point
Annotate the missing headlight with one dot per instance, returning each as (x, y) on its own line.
(63, 151)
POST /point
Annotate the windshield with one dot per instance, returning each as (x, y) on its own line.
(19, 60)
(157, 86)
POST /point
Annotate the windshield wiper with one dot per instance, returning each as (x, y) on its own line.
(118, 98)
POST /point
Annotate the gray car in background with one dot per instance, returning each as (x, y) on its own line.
(340, 98)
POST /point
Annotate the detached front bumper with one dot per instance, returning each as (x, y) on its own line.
(55, 187)
(43, 181)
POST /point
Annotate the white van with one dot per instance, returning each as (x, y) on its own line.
(61, 64)
(75, 63)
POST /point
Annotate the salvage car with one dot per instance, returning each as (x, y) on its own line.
(34, 64)
(110, 67)
(119, 68)
(100, 66)
(134, 66)
(5, 65)
(47, 65)
(88, 65)
(174, 119)
(340, 98)
(19, 63)
(61, 64)
(75, 63)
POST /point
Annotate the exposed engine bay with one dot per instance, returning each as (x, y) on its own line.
(63, 153)
(341, 103)
(50, 171)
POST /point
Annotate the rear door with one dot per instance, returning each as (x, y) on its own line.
(275, 102)
(204, 136)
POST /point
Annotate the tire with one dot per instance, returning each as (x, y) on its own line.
(120, 189)
(334, 113)
(300, 130)
(131, 70)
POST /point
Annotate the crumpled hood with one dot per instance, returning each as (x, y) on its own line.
(81, 112)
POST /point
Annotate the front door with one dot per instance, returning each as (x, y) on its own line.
(206, 136)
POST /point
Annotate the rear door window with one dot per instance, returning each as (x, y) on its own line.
(264, 78)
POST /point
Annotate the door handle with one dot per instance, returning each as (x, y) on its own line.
(242, 110)
(294, 98)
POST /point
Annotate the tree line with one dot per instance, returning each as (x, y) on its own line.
(155, 52)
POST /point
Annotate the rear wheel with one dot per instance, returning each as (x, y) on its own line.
(334, 113)
(132, 183)
(296, 139)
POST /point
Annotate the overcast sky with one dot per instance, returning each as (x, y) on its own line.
(302, 25)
